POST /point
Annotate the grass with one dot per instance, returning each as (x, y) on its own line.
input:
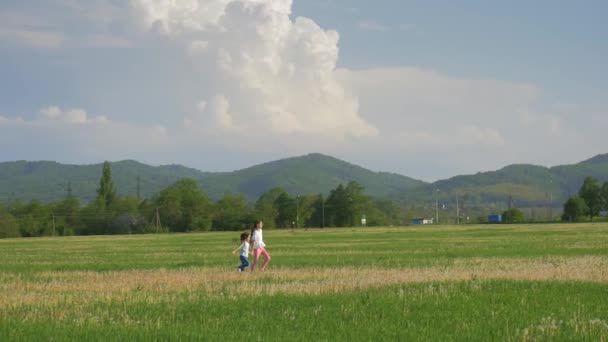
(517, 283)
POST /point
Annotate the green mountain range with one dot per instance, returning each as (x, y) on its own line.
(527, 185)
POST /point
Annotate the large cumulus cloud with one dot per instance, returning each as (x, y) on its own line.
(271, 73)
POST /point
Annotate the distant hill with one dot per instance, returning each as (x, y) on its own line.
(48, 181)
(529, 185)
(313, 173)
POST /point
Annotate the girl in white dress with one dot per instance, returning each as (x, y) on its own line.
(257, 240)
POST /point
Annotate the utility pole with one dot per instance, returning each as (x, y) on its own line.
(53, 214)
(157, 223)
(297, 210)
(138, 188)
(69, 190)
(322, 212)
(437, 206)
(457, 211)
(551, 206)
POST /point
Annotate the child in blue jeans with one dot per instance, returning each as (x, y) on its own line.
(244, 248)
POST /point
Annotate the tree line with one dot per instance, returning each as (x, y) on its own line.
(184, 207)
(589, 202)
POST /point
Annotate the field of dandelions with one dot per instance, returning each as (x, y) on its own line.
(463, 283)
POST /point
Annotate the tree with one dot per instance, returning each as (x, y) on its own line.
(346, 205)
(67, 215)
(232, 213)
(574, 209)
(604, 196)
(265, 208)
(8, 225)
(94, 218)
(590, 193)
(184, 207)
(337, 209)
(126, 218)
(35, 220)
(106, 190)
(513, 215)
(316, 218)
(286, 210)
(357, 202)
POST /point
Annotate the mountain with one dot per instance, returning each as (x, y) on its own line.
(313, 173)
(48, 181)
(528, 185)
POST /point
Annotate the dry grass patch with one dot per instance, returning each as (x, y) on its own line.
(157, 285)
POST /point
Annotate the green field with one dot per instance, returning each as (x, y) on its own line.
(464, 283)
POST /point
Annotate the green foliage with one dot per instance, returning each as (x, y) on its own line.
(575, 209)
(317, 207)
(106, 191)
(35, 220)
(346, 205)
(232, 213)
(286, 208)
(265, 208)
(184, 207)
(590, 192)
(604, 196)
(8, 225)
(513, 215)
(530, 185)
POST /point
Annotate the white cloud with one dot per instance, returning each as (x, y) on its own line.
(276, 74)
(70, 116)
(73, 133)
(106, 41)
(31, 38)
(372, 25)
(237, 81)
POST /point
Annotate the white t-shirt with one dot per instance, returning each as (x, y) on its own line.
(245, 249)
(258, 239)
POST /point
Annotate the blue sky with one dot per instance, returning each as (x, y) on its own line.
(428, 89)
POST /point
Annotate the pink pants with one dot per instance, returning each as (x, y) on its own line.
(256, 257)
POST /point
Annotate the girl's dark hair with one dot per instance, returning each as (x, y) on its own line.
(244, 236)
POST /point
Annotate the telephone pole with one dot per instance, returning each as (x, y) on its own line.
(69, 190)
(138, 188)
(457, 211)
(437, 206)
(157, 221)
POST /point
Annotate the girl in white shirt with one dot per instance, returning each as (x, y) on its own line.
(244, 248)
(257, 238)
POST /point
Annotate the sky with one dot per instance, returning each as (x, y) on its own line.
(427, 89)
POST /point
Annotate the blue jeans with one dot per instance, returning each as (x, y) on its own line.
(244, 263)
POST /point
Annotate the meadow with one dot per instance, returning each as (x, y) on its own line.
(432, 283)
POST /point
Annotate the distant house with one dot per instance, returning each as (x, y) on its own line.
(495, 219)
(422, 221)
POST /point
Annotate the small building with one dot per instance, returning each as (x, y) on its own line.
(422, 221)
(495, 218)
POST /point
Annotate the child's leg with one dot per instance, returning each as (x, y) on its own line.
(266, 257)
(244, 263)
(256, 257)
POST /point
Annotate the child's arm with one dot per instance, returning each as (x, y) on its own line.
(236, 250)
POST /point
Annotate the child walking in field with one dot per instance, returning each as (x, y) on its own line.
(257, 239)
(244, 248)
